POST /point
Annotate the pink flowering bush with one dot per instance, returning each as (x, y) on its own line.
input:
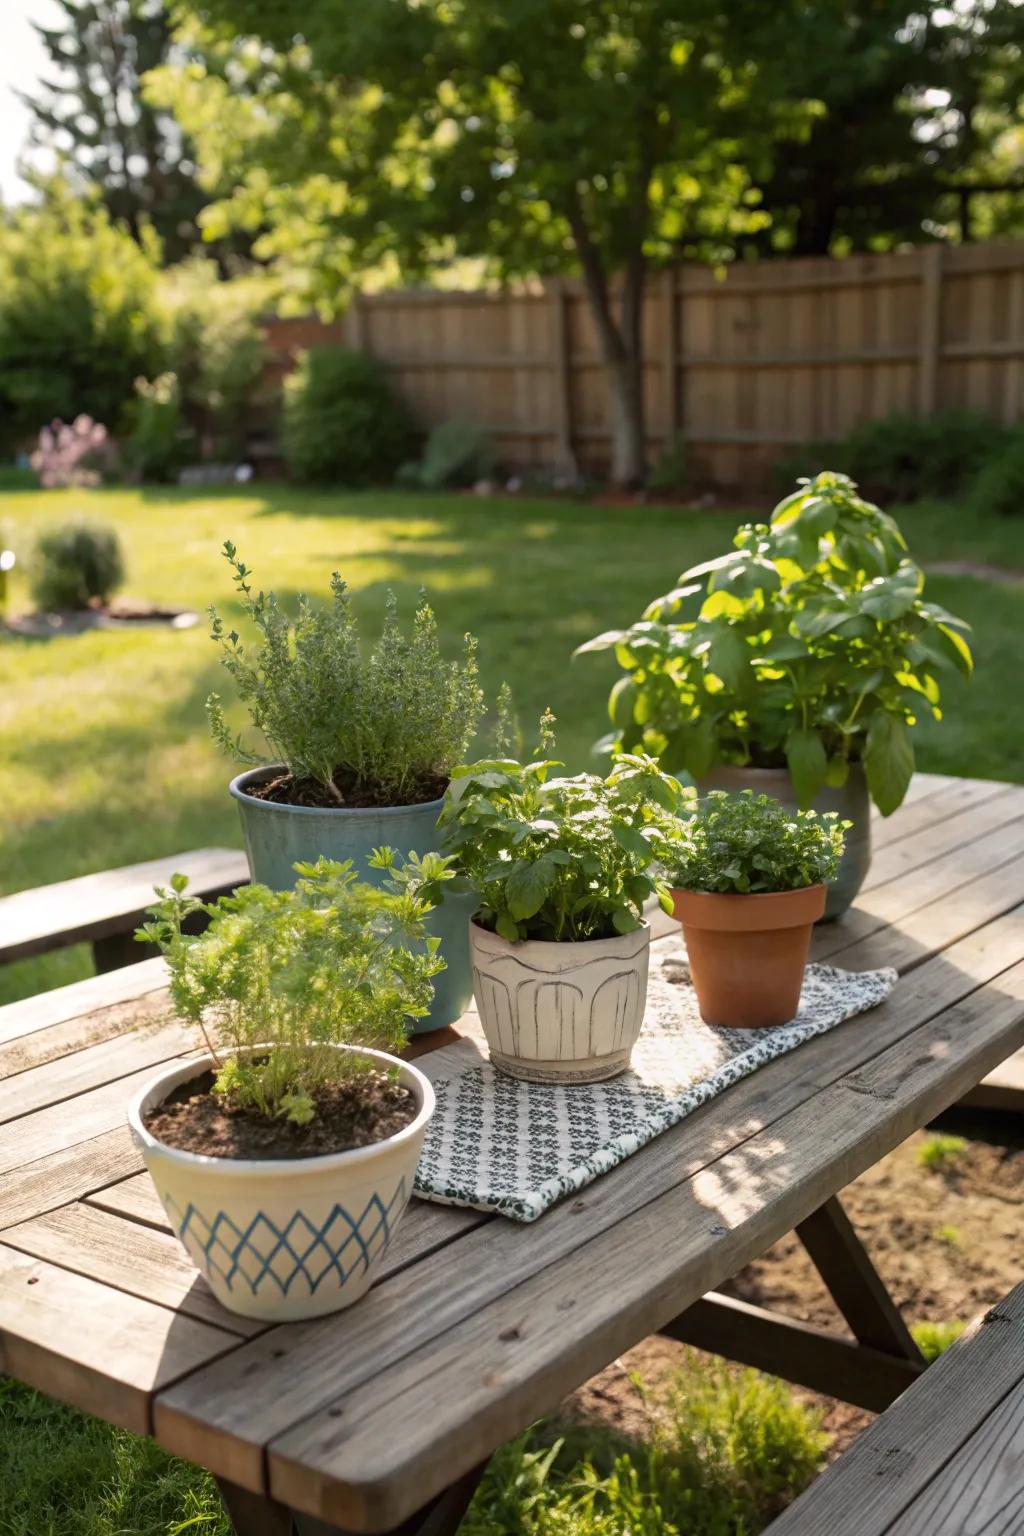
(67, 453)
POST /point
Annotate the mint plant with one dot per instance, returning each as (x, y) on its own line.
(279, 978)
(563, 859)
(378, 727)
(745, 844)
(809, 645)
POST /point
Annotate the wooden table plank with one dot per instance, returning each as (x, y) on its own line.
(81, 999)
(893, 1462)
(36, 1047)
(96, 1348)
(218, 1412)
(371, 1457)
(981, 1489)
(1002, 1089)
(933, 802)
(70, 1076)
(134, 1198)
(108, 902)
(946, 835)
(68, 1172)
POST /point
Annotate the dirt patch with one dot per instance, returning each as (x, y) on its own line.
(348, 1115)
(286, 789)
(122, 613)
(946, 1242)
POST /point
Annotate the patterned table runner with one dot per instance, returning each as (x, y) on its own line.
(498, 1144)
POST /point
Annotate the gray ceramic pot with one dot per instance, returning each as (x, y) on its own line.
(279, 836)
(852, 803)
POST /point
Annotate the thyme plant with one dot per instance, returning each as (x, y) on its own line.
(808, 646)
(562, 859)
(745, 844)
(379, 727)
(279, 978)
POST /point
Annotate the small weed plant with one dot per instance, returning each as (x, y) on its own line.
(933, 1339)
(940, 1152)
(562, 859)
(279, 978)
(809, 646)
(379, 727)
(745, 844)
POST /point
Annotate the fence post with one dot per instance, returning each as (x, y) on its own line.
(560, 362)
(670, 354)
(930, 339)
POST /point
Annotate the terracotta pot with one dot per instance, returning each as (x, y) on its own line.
(560, 1013)
(748, 953)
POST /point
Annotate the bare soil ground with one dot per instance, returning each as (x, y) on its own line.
(946, 1241)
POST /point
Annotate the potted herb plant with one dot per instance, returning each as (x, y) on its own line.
(559, 944)
(285, 1154)
(795, 664)
(361, 745)
(750, 883)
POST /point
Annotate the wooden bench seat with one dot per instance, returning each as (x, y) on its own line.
(947, 1459)
(105, 909)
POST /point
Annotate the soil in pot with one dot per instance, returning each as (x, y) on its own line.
(286, 789)
(352, 1114)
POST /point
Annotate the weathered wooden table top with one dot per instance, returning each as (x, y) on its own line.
(479, 1324)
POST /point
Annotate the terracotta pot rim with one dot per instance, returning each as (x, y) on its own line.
(756, 911)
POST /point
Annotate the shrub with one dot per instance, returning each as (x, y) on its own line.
(904, 458)
(343, 422)
(933, 1339)
(747, 843)
(76, 565)
(808, 646)
(379, 729)
(557, 858)
(300, 971)
(670, 472)
(1000, 485)
(68, 454)
(729, 1450)
(158, 443)
(940, 1152)
(458, 453)
(78, 318)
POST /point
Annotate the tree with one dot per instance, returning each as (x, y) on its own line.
(541, 135)
(92, 115)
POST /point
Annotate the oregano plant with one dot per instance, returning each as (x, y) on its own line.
(809, 645)
(747, 844)
(379, 725)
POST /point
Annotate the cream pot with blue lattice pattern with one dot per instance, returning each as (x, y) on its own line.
(284, 1239)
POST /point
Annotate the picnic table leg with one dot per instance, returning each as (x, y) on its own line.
(253, 1514)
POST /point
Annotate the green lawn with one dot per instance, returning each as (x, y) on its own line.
(107, 757)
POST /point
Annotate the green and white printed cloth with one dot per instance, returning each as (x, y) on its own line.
(498, 1144)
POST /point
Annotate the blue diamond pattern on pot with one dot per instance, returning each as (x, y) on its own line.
(261, 1252)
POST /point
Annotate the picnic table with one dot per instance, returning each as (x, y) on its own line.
(380, 1418)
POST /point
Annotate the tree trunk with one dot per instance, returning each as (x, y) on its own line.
(629, 459)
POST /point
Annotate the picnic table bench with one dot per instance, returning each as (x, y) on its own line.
(105, 909)
(380, 1418)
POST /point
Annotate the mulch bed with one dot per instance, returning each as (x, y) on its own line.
(348, 1115)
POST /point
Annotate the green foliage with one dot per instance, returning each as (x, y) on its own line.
(933, 1339)
(215, 346)
(458, 453)
(1000, 485)
(343, 422)
(808, 646)
(950, 1235)
(670, 472)
(300, 971)
(388, 724)
(77, 316)
(564, 859)
(728, 1452)
(745, 843)
(906, 458)
(76, 565)
(941, 1153)
(158, 443)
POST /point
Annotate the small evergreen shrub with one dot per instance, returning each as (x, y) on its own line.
(458, 453)
(905, 458)
(1000, 485)
(300, 971)
(385, 727)
(745, 843)
(76, 566)
(158, 443)
(343, 422)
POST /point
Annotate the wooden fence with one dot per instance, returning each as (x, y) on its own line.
(741, 365)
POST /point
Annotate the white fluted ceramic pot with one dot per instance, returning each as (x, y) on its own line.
(286, 1238)
(560, 1013)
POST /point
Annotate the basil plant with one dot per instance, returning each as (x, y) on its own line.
(808, 645)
